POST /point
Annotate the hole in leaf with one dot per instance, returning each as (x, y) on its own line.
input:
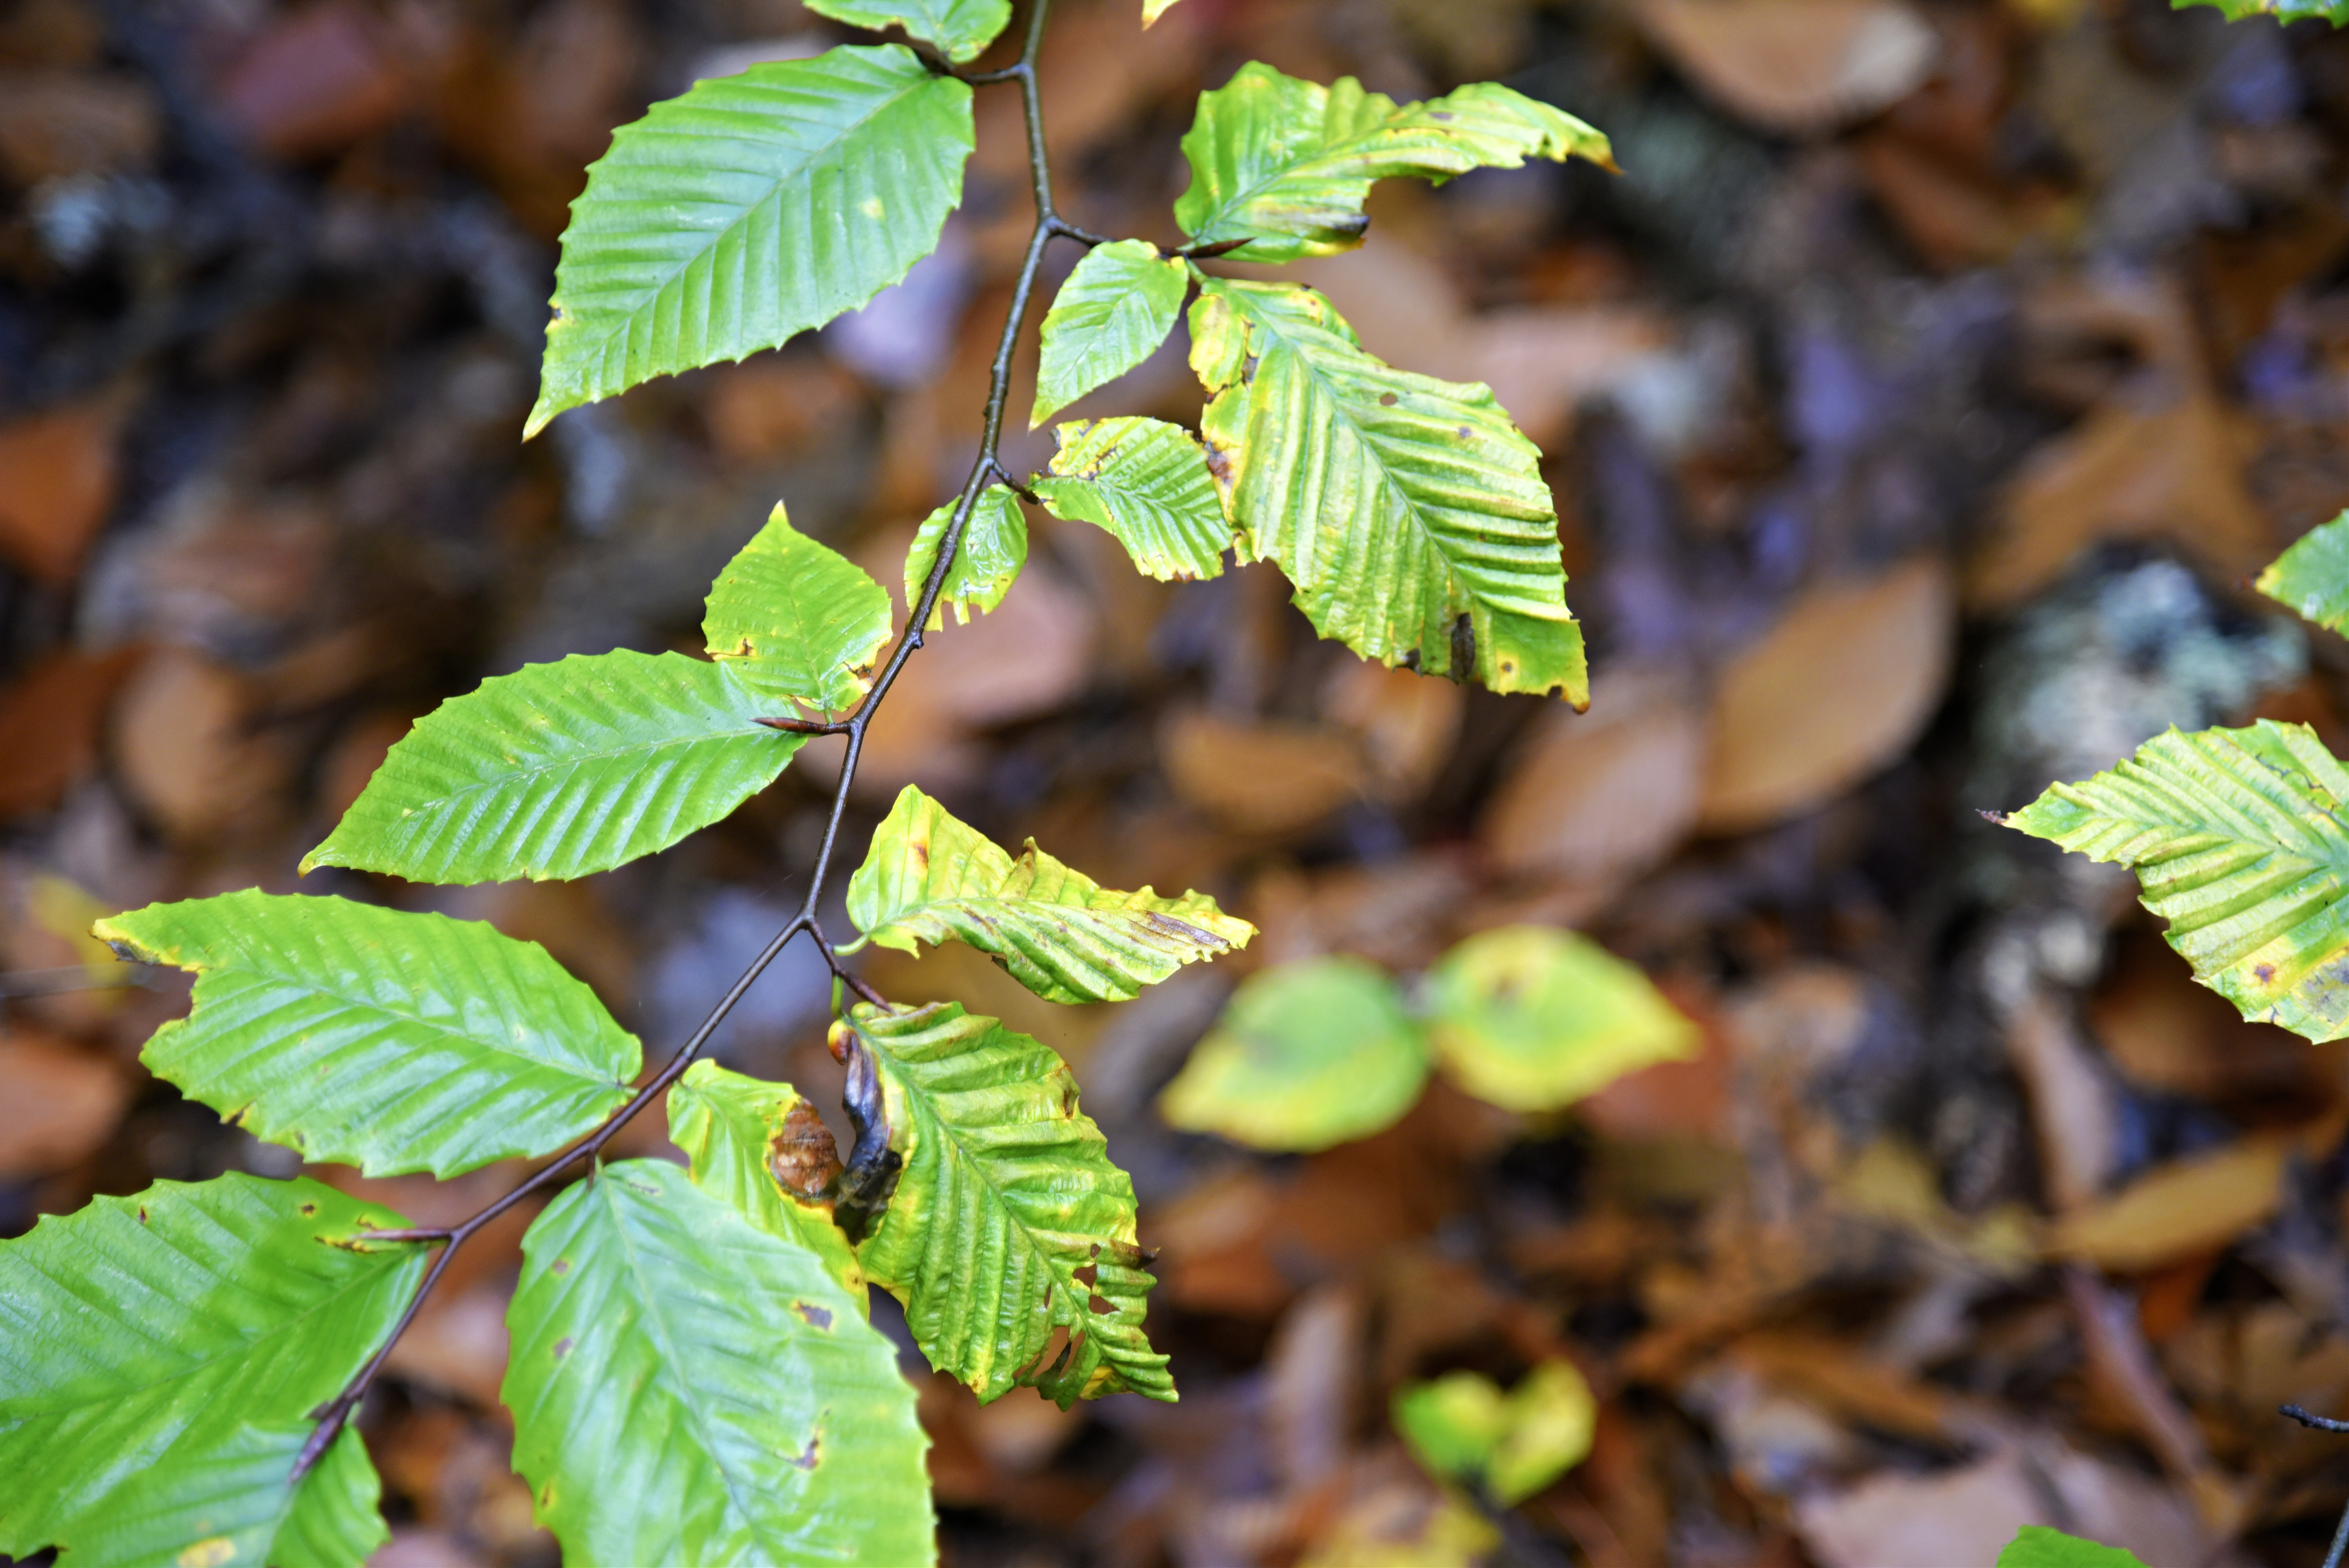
(1088, 1277)
(816, 1316)
(1102, 1303)
(1387, 399)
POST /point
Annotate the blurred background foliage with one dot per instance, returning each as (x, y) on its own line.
(1917, 404)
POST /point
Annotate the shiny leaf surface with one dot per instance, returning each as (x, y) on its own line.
(1146, 483)
(1114, 310)
(688, 1388)
(391, 1041)
(987, 562)
(165, 1352)
(2312, 578)
(931, 877)
(744, 1140)
(1307, 1054)
(1286, 164)
(1533, 1018)
(1409, 513)
(960, 28)
(2239, 840)
(795, 617)
(1009, 1221)
(561, 770)
(749, 209)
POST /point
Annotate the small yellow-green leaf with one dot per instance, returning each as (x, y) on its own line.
(1533, 1018)
(2036, 1546)
(1461, 1427)
(1286, 164)
(994, 548)
(2239, 840)
(794, 617)
(1146, 483)
(1114, 310)
(930, 878)
(762, 1150)
(2312, 578)
(1008, 1221)
(960, 28)
(1306, 1055)
(1153, 9)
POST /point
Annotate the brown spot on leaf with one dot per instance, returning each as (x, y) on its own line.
(807, 1459)
(816, 1316)
(308, 1210)
(2265, 972)
(1387, 399)
(560, 1265)
(563, 1348)
(142, 1213)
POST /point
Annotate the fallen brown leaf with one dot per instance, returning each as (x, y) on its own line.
(50, 717)
(1604, 795)
(56, 1105)
(57, 480)
(1796, 66)
(1262, 776)
(2176, 1211)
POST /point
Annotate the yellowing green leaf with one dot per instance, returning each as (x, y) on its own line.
(1513, 1445)
(960, 28)
(1533, 1018)
(1146, 482)
(1153, 9)
(1306, 1055)
(1114, 310)
(2036, 1546)
(164, 1355)
(2312, 577)
(793, 616)
(994, 548)
(2239, 840)
(561, 770)
(376, 1037)
(1009, 1221)
(688, 1388)
(930, 878)
(1415, 522)
(749, 209)
(1286, 164)
(746, 1139)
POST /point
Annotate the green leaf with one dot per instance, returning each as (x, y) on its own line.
(688, 1388)
(1009, 1221)
(994, 548)
(1153, 9)
(391, 1041)
(1147, 483)
(791, 615)
(2312, 578)
(1533, 1018)
(1461, 1427)
(744, 1138)
(960, 28)
(2036, 1546)
(1114, 310)
(930, 878)
(1286, 164)
(1307, 1054)
(2336, 13)
(2239, 840)
(749, 209)
(164, 1355)
(1409, 513)
(561, 770)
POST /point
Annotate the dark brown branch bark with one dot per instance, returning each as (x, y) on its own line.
(335, 1413)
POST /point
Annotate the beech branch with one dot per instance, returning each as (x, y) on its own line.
(332, 1416)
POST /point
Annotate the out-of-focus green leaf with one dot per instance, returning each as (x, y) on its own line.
(1306, 1055)
(2312, 578)
(793, 616)
(960, 28)
(763, 1149)
(930, 878)
(2036, 1546)
(1286, 164)
(1153, 9)
(688, 1388)
(391, 1041)
(1513, 1445)
(164, 1353)
(1008, 1221)
(2336, 12)
(749, 209)
(2239, 840)
(1533, 1018)
(994, 548)
(1146, 482)
(561, 770)
(1415, 521)
(1114, 310)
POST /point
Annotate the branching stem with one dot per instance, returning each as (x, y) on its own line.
(2326, 1424)
(335, 1413)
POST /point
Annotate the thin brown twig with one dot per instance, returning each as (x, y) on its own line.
(335, 1413)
